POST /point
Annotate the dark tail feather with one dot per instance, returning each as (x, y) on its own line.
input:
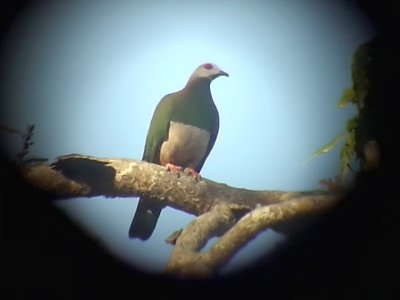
(145, 219)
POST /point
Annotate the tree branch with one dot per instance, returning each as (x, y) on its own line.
(187, 261)
(89, 176)
(186, 258)
(236, 214)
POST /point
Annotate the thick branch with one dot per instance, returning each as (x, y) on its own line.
(187, 261)
(186, 258)
(89, 176)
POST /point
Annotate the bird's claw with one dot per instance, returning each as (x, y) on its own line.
(193, 173)
(178, 169)
(173, 168)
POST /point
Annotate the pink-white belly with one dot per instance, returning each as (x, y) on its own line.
(186, 145)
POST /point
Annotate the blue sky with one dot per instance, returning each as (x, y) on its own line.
(90, 73)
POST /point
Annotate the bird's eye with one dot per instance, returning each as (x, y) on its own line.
(209, 66)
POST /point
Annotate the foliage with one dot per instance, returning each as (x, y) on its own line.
(361, 128)
(349, 96)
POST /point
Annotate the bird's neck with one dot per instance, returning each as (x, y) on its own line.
(199, 85)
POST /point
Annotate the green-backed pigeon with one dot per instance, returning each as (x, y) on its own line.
(181, 135)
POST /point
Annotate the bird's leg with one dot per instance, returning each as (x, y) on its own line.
(173, 168)
(192, 172)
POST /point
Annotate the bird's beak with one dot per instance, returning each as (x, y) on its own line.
(222, 73)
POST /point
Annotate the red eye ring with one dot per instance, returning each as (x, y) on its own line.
(208, 66)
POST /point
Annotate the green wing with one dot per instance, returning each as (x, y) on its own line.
(158, 130)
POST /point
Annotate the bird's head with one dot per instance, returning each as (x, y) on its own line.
(209, 71)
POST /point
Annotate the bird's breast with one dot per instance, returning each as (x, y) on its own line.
(186, 145)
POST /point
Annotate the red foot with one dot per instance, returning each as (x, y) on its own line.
(173, 168)
(192, 172)
(178, 169)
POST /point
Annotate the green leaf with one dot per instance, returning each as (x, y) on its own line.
(326, 148)
(352, 124)
(348, 96)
